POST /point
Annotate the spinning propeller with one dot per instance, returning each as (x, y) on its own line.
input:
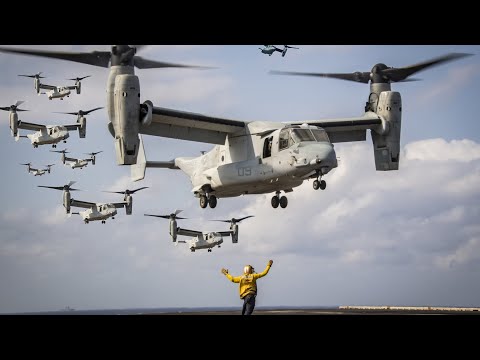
(381, 73)
(64, 187)
(35, 76)
(127, 192)
(79, 112)
(118, 55)
(80, 78)
(234, 221)
(64, 151)
(95, 153)
(172, 216)
(13, 108)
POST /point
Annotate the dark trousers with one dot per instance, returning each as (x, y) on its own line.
(248, 304)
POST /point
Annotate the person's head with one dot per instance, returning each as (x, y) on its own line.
(248, 269)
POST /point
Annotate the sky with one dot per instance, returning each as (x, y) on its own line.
(409, 237)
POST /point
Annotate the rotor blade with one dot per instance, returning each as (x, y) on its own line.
(27, 163)
(142, 63)
(246, 217)
(127, 191)
(362, 77)
(79, 111)
(89, 111)
(160, 216)
(291, 47)
(79, 78)
(134, 191)
(19, 102)
(399, 74)
(93, 153)
(177, 212)
(52, 187)
(71, 183)
(227, 221)
(96, 58)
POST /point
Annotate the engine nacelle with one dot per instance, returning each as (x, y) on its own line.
(82, 130)
(36, 83)
(63, 158)
(173, 229)
(386, 141)
(93, 159)
(129, 204)
(234, 229)
(13, 123)
(126, 123)
(146, 110)
(66, 201)
(79, 87)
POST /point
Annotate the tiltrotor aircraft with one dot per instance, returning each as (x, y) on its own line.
(56, 92)
(200, 239)
(95, 211)
(44, 134)
(74, 162)
(38, 172)
(254, 157)
(270, 49)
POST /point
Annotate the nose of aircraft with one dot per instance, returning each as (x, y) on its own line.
(320, 153)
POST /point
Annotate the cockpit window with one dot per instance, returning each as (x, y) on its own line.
(320, 135)
(300, 135)
(285, 139)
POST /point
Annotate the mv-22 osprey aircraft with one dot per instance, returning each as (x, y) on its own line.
(201, 239)
(74, 162)
(45, 134)
(254, 157)
(95, 210)
(56, 92)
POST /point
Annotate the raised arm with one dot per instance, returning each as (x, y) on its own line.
(265, 272)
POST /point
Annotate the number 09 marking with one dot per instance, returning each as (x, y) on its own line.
(244, 171)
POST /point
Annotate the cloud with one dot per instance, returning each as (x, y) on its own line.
(466, 252)
(439, 150)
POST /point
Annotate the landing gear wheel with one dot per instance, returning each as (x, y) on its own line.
(323, 184)
(275, 201)
(316, 184)
(212, 201)
(283, 202)
(86, 221)
(209, 250)
(203, 201)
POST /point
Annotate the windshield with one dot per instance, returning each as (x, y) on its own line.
(288, 137)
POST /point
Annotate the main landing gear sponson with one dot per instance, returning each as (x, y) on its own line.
(277, 200)
(210, 200)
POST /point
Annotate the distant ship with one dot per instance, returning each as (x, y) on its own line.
(68, 308)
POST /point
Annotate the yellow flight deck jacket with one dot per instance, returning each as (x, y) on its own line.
(248, 282)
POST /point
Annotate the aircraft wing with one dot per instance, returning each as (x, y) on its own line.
(224, 233)
(72, 127)
(187, 232)
(71, 87)
(48, 87)
(70, 159)
(277, 49)
(30, 126)
(346, 129)
(184, 125)
(82, 204)
(119, 204)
